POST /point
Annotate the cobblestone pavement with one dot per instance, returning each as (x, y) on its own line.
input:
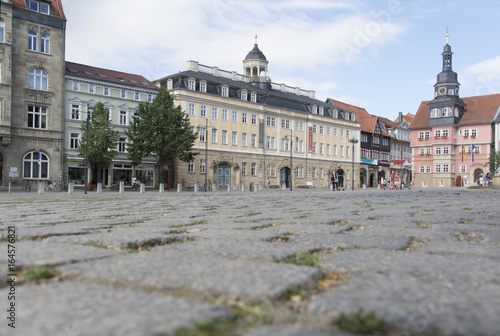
(280, 263)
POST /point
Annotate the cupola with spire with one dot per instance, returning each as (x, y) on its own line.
(446, 107)
(255, 67)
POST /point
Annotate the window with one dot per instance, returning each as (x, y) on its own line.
(445, 134)
(321, 145)
(191, 84)
(347, 151)
(224, 114)
(38, 79)
(150, 98)
(437, 150)
(299, 126)
(341, 150)
(253, 141)
(32, 40)
(243, 168)
(315, 129)
(446, 150)
(270, 142)
(285, 123)
(75, 112)
(473, 133)
(427, 134)
(45, 43)
(38, 6)
(435, 113)
(347, 132)
(235, 116)
(466, 133)
(271, 170)
(244, 139)
(123, 117)
(224, 137)
(203, 87)
(285, 144)
(203, 134)
(314, 147)
(271, 121)
(447, 112)
(244, 117)
(328, 149)
(299, 146)
(446, 168)
(422, 169)
(192, 109)
(463, 169)
(31, 167)
(254, 169)
(437, 133)
(253, 97)
(215, 112)
(106, 91)
(137, 96)
(314, 172)
(74, 140)
(321, 129)
(437, 169)
(203, 111)
(122, 145)
(334, 150)
(341, 132)
(214, 135)
(335, 132)
(244, 95)
(91, 88)
(37, 117)
(2, 31)
(428, 169)
(225, 91)
(123, 94)
(254, 119)
(234, 138)
(202, 166)
(191, 167)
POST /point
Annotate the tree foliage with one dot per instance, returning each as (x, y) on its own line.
(162, 130)
(103, 138)
(494, 162)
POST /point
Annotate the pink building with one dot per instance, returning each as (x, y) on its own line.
(452, 138)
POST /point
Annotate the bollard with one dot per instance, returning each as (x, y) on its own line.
(142, 188)
(179, 187)
(9, 187)
(122, 187)
(40, 188)
(71, 188)
(161, 188)
(243, 187)
(196, 187)
(214, 187)
(99, 188)
(283, 186)
(228, 188)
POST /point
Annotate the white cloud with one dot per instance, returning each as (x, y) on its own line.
(483, 78)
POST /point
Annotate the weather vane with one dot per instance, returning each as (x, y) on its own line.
(256, 38)
(447, 35)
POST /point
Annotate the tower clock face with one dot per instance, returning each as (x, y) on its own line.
(442, 90)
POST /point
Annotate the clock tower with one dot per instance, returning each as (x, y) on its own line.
(446, 108)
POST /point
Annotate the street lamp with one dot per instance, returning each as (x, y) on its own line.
(87, 151)
(206, 151)
(291, 157)
(354, 141)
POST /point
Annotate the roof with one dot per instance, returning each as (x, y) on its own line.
(255, 53)
(267, 96)
(57, 7)
(105, 75)
(478, 110)
(362, 116)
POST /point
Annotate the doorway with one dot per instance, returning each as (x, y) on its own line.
(223, 175)
(285, 177)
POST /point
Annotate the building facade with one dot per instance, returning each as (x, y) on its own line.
(452, 138)
(253, 131)
(32, 45)
(121, 93)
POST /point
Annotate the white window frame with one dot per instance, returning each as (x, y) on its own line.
(234, 138)
(192, 109)
(234, 116)
(224, 137)
(244, 139)
(215, 113)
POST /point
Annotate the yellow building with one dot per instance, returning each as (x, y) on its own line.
(254, 131)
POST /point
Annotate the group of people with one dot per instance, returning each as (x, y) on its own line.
(484, 180)
(337, 178)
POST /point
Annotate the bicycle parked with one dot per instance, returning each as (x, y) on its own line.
(54, 186)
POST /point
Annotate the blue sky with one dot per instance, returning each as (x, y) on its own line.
(382, 55)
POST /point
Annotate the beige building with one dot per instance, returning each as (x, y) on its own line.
(254, 131)
(32, 43)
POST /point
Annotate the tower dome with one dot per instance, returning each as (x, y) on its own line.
(255, 67)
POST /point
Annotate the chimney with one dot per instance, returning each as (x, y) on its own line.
(400, 117)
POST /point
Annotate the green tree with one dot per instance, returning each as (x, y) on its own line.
(162, 130)
(103, 140)
(494, 162)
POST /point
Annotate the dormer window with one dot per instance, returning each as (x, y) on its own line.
(203, 87)
(244, 95)
(191, 84)
(253, 97)
(336, 114)
(225, 91)
(39, 6)
(314, 109)
(321, 110)
(353, 118)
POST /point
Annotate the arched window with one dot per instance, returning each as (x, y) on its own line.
(447, 112)
(32, 37)
(35, 164)
(2, 31)
(45, 43)
(38, 79)
(435, 113)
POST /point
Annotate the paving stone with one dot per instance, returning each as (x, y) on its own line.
(81, 309)
(175, 270)
(349, 241)
(238, 248)
(293, 331)
(418, 305)
(371, 260)
(37, 253)
(461, 248)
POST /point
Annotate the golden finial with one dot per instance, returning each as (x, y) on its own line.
(256, 38)
(447, 35)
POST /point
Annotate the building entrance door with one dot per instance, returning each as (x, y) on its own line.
(285, 177)
(223, 175)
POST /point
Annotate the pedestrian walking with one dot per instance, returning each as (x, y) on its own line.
(340, 178)
(334, 180)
